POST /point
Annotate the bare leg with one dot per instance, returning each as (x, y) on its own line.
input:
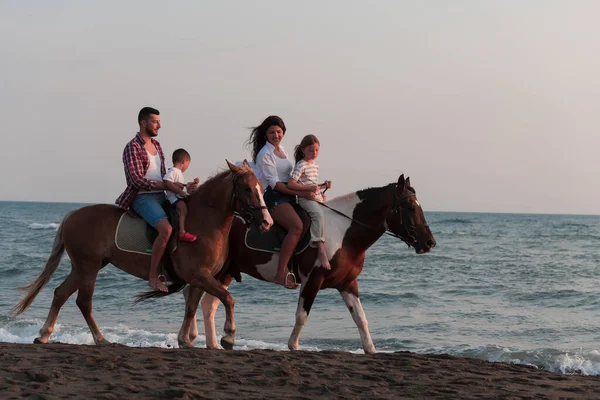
(61, 295)
(192, 298)
(322, 254)
(158, 250)
(285, 215)
(84, 302)
(305, 302)
(182, 208)
(350, 296)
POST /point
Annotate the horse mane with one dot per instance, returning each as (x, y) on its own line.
(219, 184)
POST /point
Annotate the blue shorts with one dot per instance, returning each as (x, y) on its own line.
(149, 207)
(273, 198)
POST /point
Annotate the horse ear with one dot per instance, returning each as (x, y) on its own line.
(407, 182)
(232, 167)
(401, 183)
(245, 164)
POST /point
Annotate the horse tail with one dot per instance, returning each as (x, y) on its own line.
(173, 287)
(32, 289)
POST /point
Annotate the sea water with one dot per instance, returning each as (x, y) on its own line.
(516, 288)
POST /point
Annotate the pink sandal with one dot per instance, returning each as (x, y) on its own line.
(187, 237)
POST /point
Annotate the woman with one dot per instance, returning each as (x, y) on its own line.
(273, 170)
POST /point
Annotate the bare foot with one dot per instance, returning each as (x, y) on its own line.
(290, 281)
(157, 284)
(323, 256)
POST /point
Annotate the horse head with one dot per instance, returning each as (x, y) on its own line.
(406, 218)
(247, 197)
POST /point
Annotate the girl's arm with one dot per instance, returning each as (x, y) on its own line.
(295, 185)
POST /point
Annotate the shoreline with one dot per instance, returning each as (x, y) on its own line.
(57, 370)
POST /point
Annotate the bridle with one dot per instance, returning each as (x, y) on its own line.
(410, 240)
(247, 210)
(410, 228)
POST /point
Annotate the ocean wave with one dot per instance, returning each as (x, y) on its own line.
(569, 363)
(454, 221)
(37, 226)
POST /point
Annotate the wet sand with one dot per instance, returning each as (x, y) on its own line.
(58, 371)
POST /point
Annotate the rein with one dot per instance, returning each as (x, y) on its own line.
(395, 207)
(247, 209)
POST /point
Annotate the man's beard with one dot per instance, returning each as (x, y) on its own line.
(150, 132)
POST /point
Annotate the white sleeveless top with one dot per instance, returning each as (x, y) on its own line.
(153, 172)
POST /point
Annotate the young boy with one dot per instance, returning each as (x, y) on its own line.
(176, 194)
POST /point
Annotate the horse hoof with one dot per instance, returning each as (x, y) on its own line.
(38, 341)
(226, 345)
(103, 342)
(185, 345)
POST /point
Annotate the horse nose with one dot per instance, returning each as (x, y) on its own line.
(431, 243)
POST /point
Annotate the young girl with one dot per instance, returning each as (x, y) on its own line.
(304, 177)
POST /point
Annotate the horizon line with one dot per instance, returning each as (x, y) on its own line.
(428, 211)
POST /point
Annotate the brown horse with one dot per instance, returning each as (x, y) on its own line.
(88, 236)
(353, 223)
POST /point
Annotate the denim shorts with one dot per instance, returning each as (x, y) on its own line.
(273, 198)
(149, 207)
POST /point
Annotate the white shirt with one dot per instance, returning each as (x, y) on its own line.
(272, 169)
(173, 175)
(153, 172)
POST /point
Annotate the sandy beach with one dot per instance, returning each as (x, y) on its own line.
(58, 371)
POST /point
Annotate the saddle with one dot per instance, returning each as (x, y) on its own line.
(270, 242)
(135, 235)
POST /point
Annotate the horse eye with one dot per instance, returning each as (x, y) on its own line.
(248, 190)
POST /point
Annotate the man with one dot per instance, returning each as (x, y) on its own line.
(144, 164)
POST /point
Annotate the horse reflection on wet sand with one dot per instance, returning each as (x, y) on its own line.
(88, 236)
(367, 215)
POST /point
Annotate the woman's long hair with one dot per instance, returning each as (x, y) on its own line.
(258, 137)
(307, 140)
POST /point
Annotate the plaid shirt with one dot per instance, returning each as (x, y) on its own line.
(136, 163)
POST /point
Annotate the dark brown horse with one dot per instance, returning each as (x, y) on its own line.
(88, 236)
(359, 219)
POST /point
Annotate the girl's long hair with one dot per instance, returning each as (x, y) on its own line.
(306, 141)
(258, 137)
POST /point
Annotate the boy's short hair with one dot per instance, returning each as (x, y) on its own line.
(180, 155)
(145, 113)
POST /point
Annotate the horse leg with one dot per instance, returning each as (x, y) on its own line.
(305, 302)
(189, 328)
(193, 333)
(350, 295)
(209, 305)
(204, 280)
(84, 302)
(61, 295)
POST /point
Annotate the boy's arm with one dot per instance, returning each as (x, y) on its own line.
(192, 185)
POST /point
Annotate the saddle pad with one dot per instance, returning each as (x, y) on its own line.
(270, 242)
(131, 235)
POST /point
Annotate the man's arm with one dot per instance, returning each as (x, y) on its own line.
(175, 188)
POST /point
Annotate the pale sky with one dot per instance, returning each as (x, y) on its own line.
(486, 105)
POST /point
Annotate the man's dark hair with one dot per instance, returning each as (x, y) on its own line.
(180, 155)
(145, 113)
